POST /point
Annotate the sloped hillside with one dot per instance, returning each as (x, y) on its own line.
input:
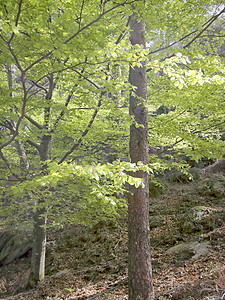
(188, 253)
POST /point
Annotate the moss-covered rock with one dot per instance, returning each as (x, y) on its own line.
(200, 218)
(212, 186)
(13, 245)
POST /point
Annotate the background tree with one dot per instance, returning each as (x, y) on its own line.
(56, 86)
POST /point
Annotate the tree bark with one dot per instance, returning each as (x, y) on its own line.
(37, 269)
(139, 265)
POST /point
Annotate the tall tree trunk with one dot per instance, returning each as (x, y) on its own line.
(139, 268)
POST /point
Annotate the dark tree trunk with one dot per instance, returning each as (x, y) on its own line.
(140, 269)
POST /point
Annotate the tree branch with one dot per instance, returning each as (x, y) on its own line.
(81, 10)
(85, 131)
(8, 164)
(17, 20)
(33, 144)
(205, 25)
(78, 32)
(62, 112)
(16, 131)
(213, 19)
(32, 121)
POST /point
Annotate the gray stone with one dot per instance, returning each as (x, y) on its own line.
(13, 246)
(191, 250)
(196, 173)
(60, 273)
(197, 218)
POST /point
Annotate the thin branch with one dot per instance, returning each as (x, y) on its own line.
(33, 144)
(38, 60)
(77, 33)
(17, 20)
(62, 112)
(122, 35)
(32, 121)
(205, 25)
(213, 19)
(3, 39)
(85, 131)
(68, 100)
(37, 85)
(47, 110)
(16, 131)
(8, 164)
(81, 75)
(97, 19)
(172, 44)
(81, 11)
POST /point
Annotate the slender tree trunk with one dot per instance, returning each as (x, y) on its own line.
(37, 270)
(24, 163)
(139, 268)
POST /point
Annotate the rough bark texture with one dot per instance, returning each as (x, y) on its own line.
(140, 269)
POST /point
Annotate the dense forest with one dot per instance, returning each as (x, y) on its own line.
(112, 134)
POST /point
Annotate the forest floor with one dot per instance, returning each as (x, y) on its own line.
(91, 263)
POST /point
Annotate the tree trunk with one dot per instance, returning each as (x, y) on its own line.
(139, 268)
(37, 269)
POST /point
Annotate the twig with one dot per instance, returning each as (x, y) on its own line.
(111, 288)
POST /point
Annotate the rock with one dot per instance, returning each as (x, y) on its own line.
(199, 218)
(212, 186)
(60, 273)
(186, 251)
(13, 246)
(185, 177)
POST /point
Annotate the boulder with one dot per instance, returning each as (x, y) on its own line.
(196, 173)
(179, 177)
(200, 218)
(212, 186)
(13, 246)
(186, 251)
